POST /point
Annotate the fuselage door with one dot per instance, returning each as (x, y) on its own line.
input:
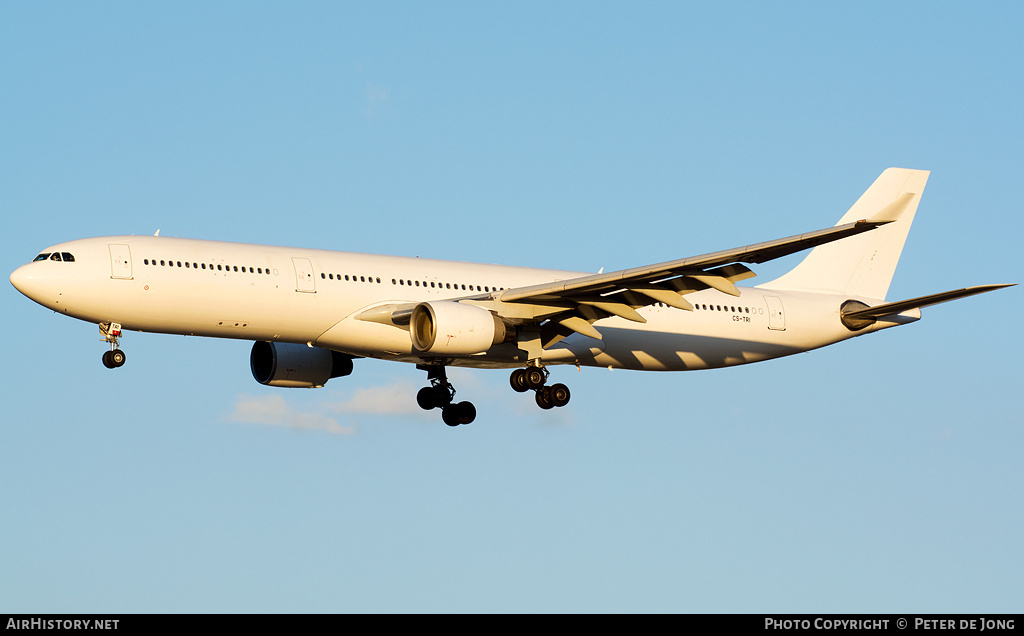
(304, 275)
(120, 261)
(776, 316)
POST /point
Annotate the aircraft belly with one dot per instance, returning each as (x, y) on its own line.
(656, 346)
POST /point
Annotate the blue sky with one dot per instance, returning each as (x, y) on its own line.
(881, 474)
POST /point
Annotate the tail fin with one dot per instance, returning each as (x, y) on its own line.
(862, 265)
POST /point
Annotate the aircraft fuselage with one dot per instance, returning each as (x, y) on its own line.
(278, 294)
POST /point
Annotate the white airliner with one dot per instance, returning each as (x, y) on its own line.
(311, 312)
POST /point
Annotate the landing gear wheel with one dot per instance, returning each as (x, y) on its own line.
(113, 359)
(456, 414)
(518, 381)
(466, 412)
(558, 394)
(449, 416)
(544, 398)
(534, 377)
(425, 398)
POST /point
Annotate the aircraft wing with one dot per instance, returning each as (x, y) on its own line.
(705, 268)
(573, 305)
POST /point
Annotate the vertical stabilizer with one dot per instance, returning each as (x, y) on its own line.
(862, 265)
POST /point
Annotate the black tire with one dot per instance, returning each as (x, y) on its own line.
(558, 394)
(466, 412)
(117, 358)
(425, 398)
(534, 378)
(450, 415)
(544, 398)
(518, 381)
(106, 360)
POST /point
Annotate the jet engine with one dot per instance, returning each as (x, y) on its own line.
(449, 328)
(296, 365)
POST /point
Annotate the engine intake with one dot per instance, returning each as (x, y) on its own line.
(295, 365)
(450, 328)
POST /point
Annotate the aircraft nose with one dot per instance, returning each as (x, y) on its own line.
(28, 281)
(20, 278)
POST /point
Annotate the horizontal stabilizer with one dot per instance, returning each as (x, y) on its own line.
(856, 316)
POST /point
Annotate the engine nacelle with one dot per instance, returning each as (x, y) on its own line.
(449, 328)
(296, 365)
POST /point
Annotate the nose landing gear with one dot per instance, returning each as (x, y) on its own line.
(111, 332)
(534, 378)
(440, 394)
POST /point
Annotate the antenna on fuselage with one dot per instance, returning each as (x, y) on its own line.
(157, 233)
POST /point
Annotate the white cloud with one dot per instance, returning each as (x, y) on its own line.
(393, 399)
(274, 410)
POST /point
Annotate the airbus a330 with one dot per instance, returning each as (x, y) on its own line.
(311, 312)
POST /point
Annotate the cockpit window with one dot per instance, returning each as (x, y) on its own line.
(67, 257)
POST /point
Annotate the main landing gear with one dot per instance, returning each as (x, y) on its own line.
(440, 394)
(114, 358)
(534, 378)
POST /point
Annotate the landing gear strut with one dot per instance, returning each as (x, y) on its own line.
(111, 332)
(534, 378)
(440, 394)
